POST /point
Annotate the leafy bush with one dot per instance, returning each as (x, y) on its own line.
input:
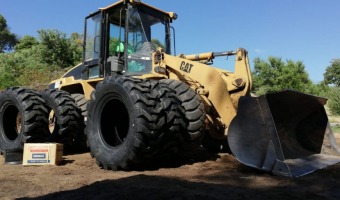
(35, 62)
(275, 75)
(334, 101)
(332, 74)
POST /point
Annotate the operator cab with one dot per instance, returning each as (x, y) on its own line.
(122, 37)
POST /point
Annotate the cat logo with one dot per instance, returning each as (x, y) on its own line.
(186, 67)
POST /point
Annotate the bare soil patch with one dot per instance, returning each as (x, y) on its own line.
(202, 175)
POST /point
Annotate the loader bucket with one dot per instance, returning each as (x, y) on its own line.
(286, 133)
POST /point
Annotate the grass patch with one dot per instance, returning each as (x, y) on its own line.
(336, 129)
(332, 118)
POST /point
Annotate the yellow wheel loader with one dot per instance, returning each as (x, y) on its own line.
(143, 102)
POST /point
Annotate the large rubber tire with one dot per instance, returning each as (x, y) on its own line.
(81, 102)
(23, 118)
(171, 131)
(129, 121)
(67, 119)
(81, 141)
(193, 108)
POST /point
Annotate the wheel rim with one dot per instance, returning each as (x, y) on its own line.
(12, 122)
(52, 121)
(114, 122)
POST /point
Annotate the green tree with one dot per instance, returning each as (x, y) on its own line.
(320, 89)
(26, 42)
(76, 40)
(25, 68)
(334, 101)
(332, 74)
(35, 62)
(275, 75)
(7, 39)
(56, 48)
(7, 79)
(14, 67)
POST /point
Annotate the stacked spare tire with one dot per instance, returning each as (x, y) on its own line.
(23, 118)
(32, 117)
(128, 120)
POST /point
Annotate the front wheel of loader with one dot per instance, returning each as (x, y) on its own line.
(193, 109)
(127, 123)
(23, 118)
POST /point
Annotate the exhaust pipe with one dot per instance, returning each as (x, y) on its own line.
(286, 133)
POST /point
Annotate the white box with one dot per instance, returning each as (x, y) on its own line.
(42, 153)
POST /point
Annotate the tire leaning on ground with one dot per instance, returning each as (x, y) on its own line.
(81, 102)
(127, 122)
(66, 121)
(23, 118)
(81, 141)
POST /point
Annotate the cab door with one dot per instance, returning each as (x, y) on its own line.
(92, 46)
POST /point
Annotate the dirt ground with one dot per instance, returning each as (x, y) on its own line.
(200, 176)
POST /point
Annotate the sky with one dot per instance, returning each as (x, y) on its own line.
(299, 30)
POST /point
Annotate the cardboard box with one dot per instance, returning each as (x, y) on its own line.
(42, 153)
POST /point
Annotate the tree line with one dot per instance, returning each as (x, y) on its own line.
(274, 74)
(31, 61)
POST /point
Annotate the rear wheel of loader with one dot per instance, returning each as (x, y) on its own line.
(127, 122)
(193, 109)
(23, 118)
(65, 119)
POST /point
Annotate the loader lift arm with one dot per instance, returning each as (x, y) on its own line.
(281, 133)
(220, 89)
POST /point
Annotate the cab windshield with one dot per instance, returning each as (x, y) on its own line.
(145, 34)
